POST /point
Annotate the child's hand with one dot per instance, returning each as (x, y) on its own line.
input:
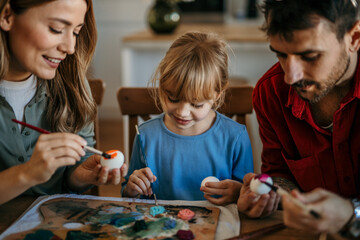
(140, 183)
(228, 189)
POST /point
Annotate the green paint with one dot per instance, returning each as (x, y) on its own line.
(40, 235)
(117, 219)
(155, 229)
(79, 235)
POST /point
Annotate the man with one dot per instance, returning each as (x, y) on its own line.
(307, 104)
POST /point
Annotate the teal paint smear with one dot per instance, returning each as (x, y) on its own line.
(40, 235)
(79, 235)
(155, 229)
(118, 219)
(155, 210)
(141, 208)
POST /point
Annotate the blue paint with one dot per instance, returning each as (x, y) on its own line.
(169, 224)
(156, 210)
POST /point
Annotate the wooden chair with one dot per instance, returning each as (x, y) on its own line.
(138, 103)
(97, 87)
(97, 90)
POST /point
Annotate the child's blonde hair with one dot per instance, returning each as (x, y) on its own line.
(195, 66)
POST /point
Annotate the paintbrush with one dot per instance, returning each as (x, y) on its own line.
(283, 192)
(87, 148)
(143, 156)
(259, 232)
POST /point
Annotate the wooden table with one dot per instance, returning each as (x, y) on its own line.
(13, 209)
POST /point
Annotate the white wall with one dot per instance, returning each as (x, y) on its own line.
(115, 19)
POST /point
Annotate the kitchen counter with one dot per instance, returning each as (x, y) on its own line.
(232, 33)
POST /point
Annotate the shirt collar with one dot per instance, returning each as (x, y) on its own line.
(298, 104)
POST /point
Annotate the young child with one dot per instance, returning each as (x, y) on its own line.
(190, 140)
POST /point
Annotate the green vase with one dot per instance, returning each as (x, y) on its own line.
(164, 16)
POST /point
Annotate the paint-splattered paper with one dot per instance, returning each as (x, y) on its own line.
(89, 217)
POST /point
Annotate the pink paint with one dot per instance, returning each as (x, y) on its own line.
(262, 177)
(186, 214)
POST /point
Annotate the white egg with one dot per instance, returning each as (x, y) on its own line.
(258, 187)
(209, 179)
(116, 160)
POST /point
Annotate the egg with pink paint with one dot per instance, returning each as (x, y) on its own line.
(258, 187)
(209, 179)
(116, 160)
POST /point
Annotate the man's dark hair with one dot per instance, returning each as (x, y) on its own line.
(285, 16)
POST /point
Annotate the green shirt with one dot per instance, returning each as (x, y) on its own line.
(16, 147)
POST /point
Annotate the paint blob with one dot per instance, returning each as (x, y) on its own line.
(186, 214)
(140, 225)
(169, 224)
(185, 235)
(156, 210)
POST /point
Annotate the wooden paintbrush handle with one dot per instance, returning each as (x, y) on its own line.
(282, 192)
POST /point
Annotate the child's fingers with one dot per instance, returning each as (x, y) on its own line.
(141, 180)
(135, 188)
(217, 201)
(220, 184)
(148, 173)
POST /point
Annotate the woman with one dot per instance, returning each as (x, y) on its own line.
(46, 47)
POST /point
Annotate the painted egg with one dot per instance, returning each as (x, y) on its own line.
(258, 187)
(116, 160)
(209, 179)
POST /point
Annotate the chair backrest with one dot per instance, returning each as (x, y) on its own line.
(138, 103)
(97, 87)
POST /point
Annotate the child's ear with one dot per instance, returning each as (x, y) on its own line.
(6, 17)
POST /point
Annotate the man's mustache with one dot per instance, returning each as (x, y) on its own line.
(303, 83)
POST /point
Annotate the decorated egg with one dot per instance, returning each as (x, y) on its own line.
(116, 160)
(209, 179)
(258, 187)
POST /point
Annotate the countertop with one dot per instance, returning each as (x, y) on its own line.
(231, 33)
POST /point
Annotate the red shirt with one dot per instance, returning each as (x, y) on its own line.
(296, 148)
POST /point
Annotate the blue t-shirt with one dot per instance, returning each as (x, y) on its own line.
(180, 162)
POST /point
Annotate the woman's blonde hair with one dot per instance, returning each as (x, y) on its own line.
(195, 66)
(70, 106)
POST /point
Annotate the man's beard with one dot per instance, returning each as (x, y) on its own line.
(328, 85)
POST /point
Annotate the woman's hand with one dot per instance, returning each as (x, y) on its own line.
(91, 172)
(51, 152)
